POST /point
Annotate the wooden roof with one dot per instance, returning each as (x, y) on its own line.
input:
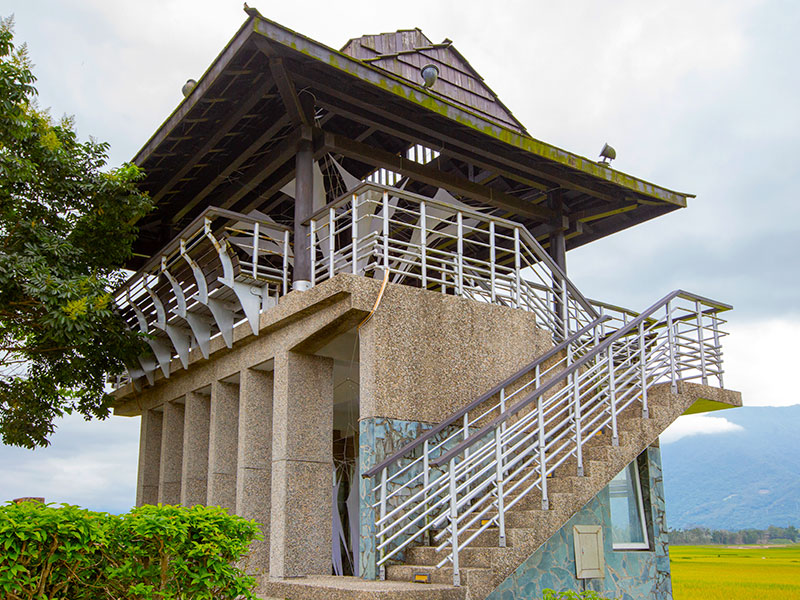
(405, 52)
(231, 142)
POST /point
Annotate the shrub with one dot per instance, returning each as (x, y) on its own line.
(150, 553)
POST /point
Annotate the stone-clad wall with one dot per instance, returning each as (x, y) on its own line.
(629, 575)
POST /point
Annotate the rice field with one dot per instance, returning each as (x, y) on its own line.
(735, 572)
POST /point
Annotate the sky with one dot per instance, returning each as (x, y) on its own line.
(697, 96)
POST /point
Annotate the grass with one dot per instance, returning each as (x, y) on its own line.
(735, 573)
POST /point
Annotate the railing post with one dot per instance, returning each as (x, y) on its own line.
(454, 521)
(465, 433)
(643, 369)
(492, 261)
(701, 341)
(498, 459)
(354, 249)
(312, 249)
(460, 255)
(423, 240)
(384, 474)
(542, 457)
(612, 396)
(717, 348)
(672, 350)
(517, 268)
(386, 232)
(578, 433)
(331, 241)
(425, 475)
(285, 262)
(256, 249)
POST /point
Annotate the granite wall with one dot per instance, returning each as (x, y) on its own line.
(629, 575)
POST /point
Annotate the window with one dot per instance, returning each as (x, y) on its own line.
(629, 531)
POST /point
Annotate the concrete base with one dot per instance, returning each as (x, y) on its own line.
(329, 587)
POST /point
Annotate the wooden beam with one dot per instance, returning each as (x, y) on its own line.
(220, 131)
(261, 169)
(432, 176)
(601, 212)
(291, 100)
(282, 122)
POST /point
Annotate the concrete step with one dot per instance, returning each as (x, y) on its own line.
(471, 556)
(470, 576)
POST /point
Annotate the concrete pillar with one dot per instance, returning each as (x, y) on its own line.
(194, 478)
(223, 442)
(302, 434)
(254, 465)
(169, 487)
(149, 457)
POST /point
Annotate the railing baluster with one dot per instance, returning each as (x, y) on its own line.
(517, 273)
(492, 261)
(354, 250)
(498, 458)
(672, 350)
(331, 241)
(285, 262)
(578, 433)
(612, 396)
(256, 248)
(312, 250)
(701, 341)
(384, 474)
(717, 348)
(454, 521)
(423, 231)
(386, 231)
(643, 369)
(460, 255)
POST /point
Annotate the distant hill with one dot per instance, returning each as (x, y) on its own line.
(739, 479)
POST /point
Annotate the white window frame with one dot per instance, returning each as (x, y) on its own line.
(645, 545)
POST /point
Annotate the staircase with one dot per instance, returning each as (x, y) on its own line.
(471, 499)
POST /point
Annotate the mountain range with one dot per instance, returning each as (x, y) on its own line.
(747, 478)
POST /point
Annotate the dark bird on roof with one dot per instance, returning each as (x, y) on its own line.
(253, 12)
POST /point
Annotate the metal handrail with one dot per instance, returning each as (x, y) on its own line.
(524, 233)
(455, 493)
(581, 362)
(482, 398)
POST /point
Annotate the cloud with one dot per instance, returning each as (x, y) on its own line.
(697, 425)
(91, 464)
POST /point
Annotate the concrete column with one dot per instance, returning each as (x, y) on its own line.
(254, 465)
(194, 478)
(223, 442)
(169, 487)
(302, 434)
(149, 457)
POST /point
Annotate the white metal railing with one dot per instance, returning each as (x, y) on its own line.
(460, 480)
(442, 245)
(223, 268)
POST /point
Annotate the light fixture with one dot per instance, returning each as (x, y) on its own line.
(188, 87)
(607, 154)
(430, 73)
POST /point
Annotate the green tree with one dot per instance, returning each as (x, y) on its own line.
(66, 228)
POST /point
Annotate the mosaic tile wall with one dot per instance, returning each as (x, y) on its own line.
(629, 575)
(378, 438)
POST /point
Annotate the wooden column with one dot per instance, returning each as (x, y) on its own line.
(303, 206)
